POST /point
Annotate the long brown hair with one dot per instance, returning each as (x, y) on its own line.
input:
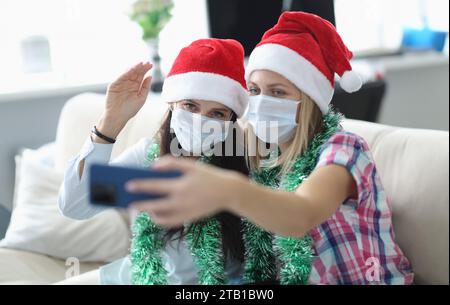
(231, 226)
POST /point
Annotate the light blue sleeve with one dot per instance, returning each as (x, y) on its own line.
(116, 273)
(73, 197)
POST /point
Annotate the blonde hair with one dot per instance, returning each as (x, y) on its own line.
(310, 122)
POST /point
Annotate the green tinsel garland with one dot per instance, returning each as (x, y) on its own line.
(207, 252)
(147, 267)
(295, 255)
(147, 245)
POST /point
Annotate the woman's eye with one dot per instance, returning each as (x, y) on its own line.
(218, 115)
(190, 107)
(278, 92)
(253, 91)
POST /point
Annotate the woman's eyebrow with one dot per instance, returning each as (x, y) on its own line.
(277, 85)
(191, 101)
(219, 109)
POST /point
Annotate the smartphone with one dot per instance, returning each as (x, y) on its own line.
(107, 184)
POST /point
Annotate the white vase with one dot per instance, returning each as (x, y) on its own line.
(157, 76)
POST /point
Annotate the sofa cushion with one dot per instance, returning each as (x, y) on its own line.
(23, 268)
(38, 226)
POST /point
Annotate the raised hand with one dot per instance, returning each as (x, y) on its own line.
(124, 98)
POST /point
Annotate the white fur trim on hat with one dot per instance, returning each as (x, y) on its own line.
(295, 68)
(350, 81)
(205, 86)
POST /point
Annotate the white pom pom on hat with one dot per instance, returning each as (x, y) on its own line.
(350, 81)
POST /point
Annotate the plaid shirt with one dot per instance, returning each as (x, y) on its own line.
(357, 244)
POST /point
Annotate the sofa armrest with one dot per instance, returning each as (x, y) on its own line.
(5, 216)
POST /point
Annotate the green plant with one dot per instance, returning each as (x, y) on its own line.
(151, 15)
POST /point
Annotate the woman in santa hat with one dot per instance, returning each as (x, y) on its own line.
(206, 93)
(320, 213)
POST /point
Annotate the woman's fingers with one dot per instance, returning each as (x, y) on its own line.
(144, 67)
(169, 163)
(170, 220)
(132, 72)
(167, 222)
(157, 206)
(142, 79)
(151, 186)
(141, 72)
(145, 87)
(136, 73)
(163, 212)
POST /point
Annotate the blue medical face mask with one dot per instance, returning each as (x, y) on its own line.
(273, 119)
(197, 133)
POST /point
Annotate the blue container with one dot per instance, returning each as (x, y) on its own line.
(424, 39)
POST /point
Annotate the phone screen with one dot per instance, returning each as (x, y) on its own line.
(107, 184)
(105, 193)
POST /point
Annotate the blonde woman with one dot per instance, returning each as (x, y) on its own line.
(318, 212)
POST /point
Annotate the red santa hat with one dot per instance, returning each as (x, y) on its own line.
(307, 51)
(209, 69)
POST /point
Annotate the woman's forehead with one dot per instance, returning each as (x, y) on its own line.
(208, 104)
(268, 78)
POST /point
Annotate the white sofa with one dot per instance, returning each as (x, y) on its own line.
(413, 165)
